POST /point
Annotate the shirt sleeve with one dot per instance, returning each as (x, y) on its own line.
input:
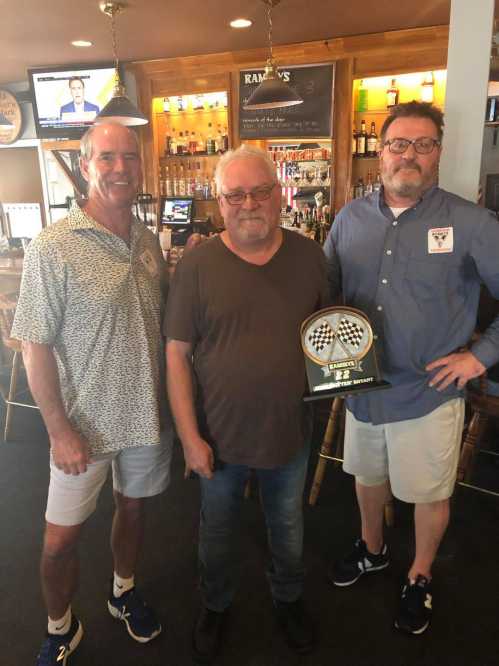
(183, 310)
(485, 248)
(41, 305)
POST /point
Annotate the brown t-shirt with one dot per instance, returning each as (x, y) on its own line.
(244, 323)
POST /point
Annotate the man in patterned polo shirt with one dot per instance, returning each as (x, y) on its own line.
(89, 316)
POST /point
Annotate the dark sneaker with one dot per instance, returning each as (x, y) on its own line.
(57, 647)
(415, 606)
(140, 620)
(207, 635)
(360, 561)
(296, 624)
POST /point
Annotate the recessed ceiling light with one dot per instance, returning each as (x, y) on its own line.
(241, 23)
(81, 42)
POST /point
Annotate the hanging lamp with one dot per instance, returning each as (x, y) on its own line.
(119, 109)
(272, 93)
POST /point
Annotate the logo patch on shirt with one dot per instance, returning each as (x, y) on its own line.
(441, 240)
(149, 262)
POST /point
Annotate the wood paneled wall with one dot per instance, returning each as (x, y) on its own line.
(359, 56)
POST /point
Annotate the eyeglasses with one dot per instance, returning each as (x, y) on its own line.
(422, 146)
(258, 194)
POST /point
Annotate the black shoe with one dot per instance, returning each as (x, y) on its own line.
(296, 624)
(140, 620)
(360, 561)
(415, 606)
(57, 647)
(207, 635)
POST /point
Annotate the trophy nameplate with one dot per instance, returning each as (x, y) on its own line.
(339, 354)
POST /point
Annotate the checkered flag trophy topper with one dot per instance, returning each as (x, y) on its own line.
(321, 337)
(339, 355)
(350, 332)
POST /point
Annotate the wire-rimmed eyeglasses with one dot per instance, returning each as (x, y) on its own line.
(423, 146)
(258, 194)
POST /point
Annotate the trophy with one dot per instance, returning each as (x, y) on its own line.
(339, 354)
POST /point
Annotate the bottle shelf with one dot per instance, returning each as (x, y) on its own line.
(364, 159)
(189, 156)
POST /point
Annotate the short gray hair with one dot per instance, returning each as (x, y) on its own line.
(244, 152)
(86, 143)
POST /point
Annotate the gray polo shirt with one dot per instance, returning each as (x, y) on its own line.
(418, 279)
(98, 302)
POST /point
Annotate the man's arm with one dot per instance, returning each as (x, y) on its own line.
(69, 448)
(198, 454)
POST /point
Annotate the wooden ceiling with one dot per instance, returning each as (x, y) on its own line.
(38, 32)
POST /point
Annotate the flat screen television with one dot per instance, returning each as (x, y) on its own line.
(66, 99)
(176, 212)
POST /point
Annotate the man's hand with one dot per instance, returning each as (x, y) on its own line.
(199, 458)
(459, 367)
(70, 452)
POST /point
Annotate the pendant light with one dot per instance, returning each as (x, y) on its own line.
(272, 93)
(119, 109)
(5, 123)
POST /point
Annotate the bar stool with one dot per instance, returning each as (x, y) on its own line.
(333, 440)
(482, 406)
(8, 304)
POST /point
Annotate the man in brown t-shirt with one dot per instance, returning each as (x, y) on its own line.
(233, 327)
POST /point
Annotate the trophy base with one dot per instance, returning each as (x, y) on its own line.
(344, 391)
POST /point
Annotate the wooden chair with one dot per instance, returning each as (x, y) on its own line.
(8, 304)
(333, 442)
(482, 405)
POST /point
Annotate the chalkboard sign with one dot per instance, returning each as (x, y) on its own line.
(313, 83)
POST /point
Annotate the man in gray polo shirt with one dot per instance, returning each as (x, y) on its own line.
(412, 257)
(89, 316)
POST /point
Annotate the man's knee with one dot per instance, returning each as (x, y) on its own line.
(60, 541)
(131, 507)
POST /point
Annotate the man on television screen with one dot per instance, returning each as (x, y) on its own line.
(79, 105)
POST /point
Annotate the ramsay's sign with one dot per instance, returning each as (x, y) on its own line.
(314, 84)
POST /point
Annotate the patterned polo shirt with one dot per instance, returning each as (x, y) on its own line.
(98, 302)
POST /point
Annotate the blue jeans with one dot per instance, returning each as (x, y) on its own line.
(281, 493)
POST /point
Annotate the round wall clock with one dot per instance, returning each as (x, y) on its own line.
(11, 111)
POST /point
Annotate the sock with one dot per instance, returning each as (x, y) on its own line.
(60, 626)
(122, 585)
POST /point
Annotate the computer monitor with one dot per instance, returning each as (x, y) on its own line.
(176, 212)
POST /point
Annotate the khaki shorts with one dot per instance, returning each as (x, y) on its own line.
(141, 471)
(418, 456)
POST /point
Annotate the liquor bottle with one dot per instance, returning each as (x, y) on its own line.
(377, 183)
(173, 143)
(180, 103)
(213, 187)
(193, 143)
(174, 182)
(166, 105)
(198, 102)
(198, 190)
(358, 192)
(362, 140)
(219, 141)
(354, 141)
(181, 182)
(206, 188)
(168, 138)
(181, 144)
(362, 97)
(369, 183)
(201, 147)
(392, 95)
(372, 142)
(168, 183)
(226, 135)
(188, 182)
(210, 141)
(427, 88)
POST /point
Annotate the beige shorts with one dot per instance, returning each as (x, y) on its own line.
(418, 456)
(141, 471)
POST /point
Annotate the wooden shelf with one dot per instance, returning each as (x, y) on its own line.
(189, 156)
